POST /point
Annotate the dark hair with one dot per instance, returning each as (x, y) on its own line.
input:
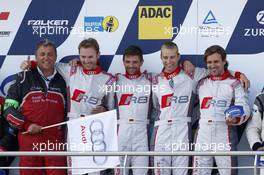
(170, 45)
(46, 43)
(216, 49)
(89, 43)
(133, 50)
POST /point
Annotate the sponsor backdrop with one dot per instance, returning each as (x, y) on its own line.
(237, 25)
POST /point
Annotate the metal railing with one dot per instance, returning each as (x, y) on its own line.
(126, 154)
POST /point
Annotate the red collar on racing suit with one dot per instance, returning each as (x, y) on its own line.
(224, 76)
(97, 70)
(172, 74)
(133, 76)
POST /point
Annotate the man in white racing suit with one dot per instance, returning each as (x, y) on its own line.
(173, 96)
(216, 131)
(133, 98)
(87, 83)
(174, 102)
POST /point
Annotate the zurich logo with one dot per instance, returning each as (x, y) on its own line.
(260, 17)
(210, 18)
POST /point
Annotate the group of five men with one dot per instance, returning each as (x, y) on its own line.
(38, 98)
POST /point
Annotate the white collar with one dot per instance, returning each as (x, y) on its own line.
(49, 77)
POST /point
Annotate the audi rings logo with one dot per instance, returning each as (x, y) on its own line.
(98, 142)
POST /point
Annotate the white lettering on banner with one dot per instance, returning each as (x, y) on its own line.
(93, 133)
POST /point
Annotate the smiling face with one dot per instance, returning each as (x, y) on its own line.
(89, 58)
(170, 58)
(215, 64)
(46, 58)
(132, 64)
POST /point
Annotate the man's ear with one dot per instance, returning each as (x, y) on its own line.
(98, 55)
(141, 63)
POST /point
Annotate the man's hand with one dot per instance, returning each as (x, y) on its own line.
(244, 81)
(231, 121)
(2, 149)
(260, 148)
(98, 109)
(74, 62)
(25, 65)
(34, 129)
(188, 67)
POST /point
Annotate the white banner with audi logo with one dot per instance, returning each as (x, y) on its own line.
(96, 133)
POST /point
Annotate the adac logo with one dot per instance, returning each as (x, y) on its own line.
(153, 22)
(260, 17)
(110, 24)
(4, 15)
(210, 18)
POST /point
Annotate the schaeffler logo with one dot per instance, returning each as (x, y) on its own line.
(4, 15)
(260, 17)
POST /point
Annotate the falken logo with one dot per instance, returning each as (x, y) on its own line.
(49, 27)
(47, 22)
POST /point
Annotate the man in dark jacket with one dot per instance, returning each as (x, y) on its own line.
(8, 139)
(38, 99)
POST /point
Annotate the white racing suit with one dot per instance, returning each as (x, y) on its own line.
(133, 95)
(173, 97)
(216, 94)
(255, 131)
(87, 89)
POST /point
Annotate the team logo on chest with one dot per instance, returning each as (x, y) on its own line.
(80, 96)
(126, 99)
(167, 99)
